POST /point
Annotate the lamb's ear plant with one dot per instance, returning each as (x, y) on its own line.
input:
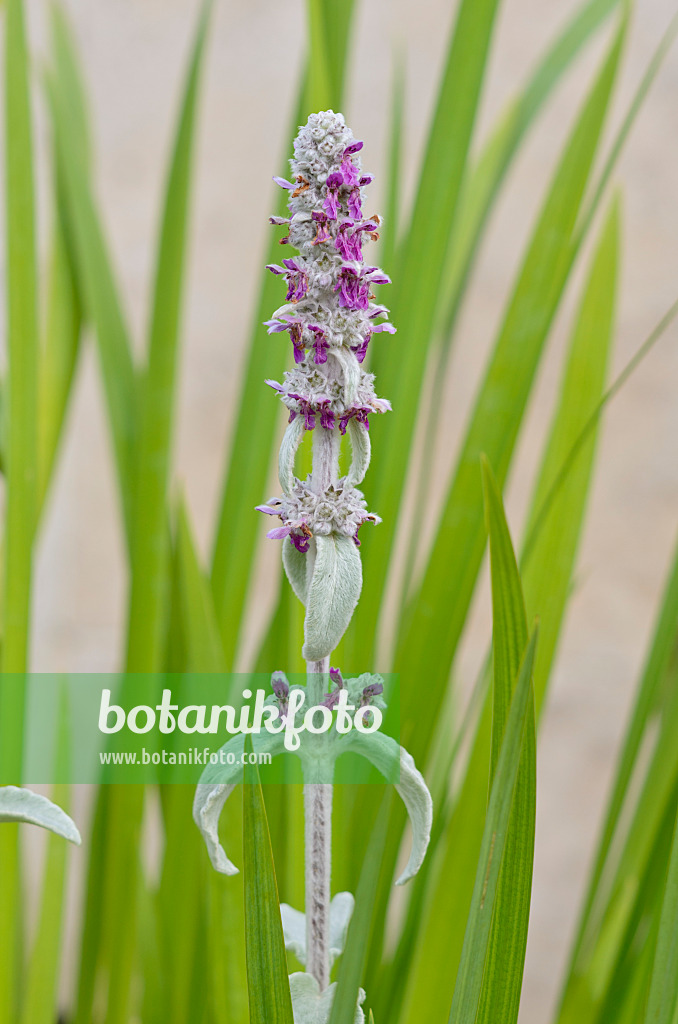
(173, 941)
(331, 315)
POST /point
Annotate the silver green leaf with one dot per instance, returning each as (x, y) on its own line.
(294, 926)
(216, 784)
(22, 805)
(360, 452)
(288, 449)
(333, 594)
(384, 753)
(296, 565)
(311, 1006)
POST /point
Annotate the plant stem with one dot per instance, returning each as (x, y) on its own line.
(318, 849)
(318, 795)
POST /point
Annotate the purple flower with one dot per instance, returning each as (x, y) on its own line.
(322, 234)
(354, 147)
(280, 686)
(326, 416)
(331, 204)
(321, 344)
(371, 691)
(284, 183)
(354, 285)
(298, 532)
(354, 205)
(332, 699)
(300, 541)
(353, 293)
(297, 281)
(278, 220)
(346, 241)
(308, 412)
(349, 172)
(335, 674)
(296, 329)
(361, 350)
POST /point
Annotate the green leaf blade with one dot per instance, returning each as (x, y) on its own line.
(269, 991)
(437, 617)
(468, 987)
(502, 980)
(158, 391)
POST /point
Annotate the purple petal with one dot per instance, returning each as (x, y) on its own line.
(279, 533)
(278, 220)
(268, 510)
(381, 328)
(275, 269)
(276, 326)
(354, 147)
(284, 183)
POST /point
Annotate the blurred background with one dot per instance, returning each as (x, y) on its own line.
(133, 53)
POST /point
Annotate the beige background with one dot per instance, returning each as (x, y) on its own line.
(134, 53)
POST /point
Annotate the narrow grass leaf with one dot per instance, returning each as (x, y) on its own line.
(548, 563)
(21, 456)
(269, 990)
(203, 642)
(353, 958)
(435, 619)
(662, 1004)
(100, 291)
(502, 981)
(59, 354)
(42, 980)
(647, 697)
(485, 177)
(414, 296)
(618, 899)
(467, 992)
(148, 598)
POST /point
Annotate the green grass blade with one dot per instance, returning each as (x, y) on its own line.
(21, 454)
(663, 999)
(59, 355)
(469, 982)
(94, 268)
(318, 80)
(353, 957)
(203, 643)
(619, 902)
(480, 191)
(485, 177)
(548, 563)
(42, 979)
(148, 598)
(269, 990)
(389, 232)
(414, 296)
(338, 21)
(646, 703)
(22, 334)
(502, 981)
(436, 619)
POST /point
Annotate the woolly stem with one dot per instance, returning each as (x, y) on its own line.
(318, 795)
(318, 852)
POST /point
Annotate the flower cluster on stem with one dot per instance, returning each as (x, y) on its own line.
(330, 314)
